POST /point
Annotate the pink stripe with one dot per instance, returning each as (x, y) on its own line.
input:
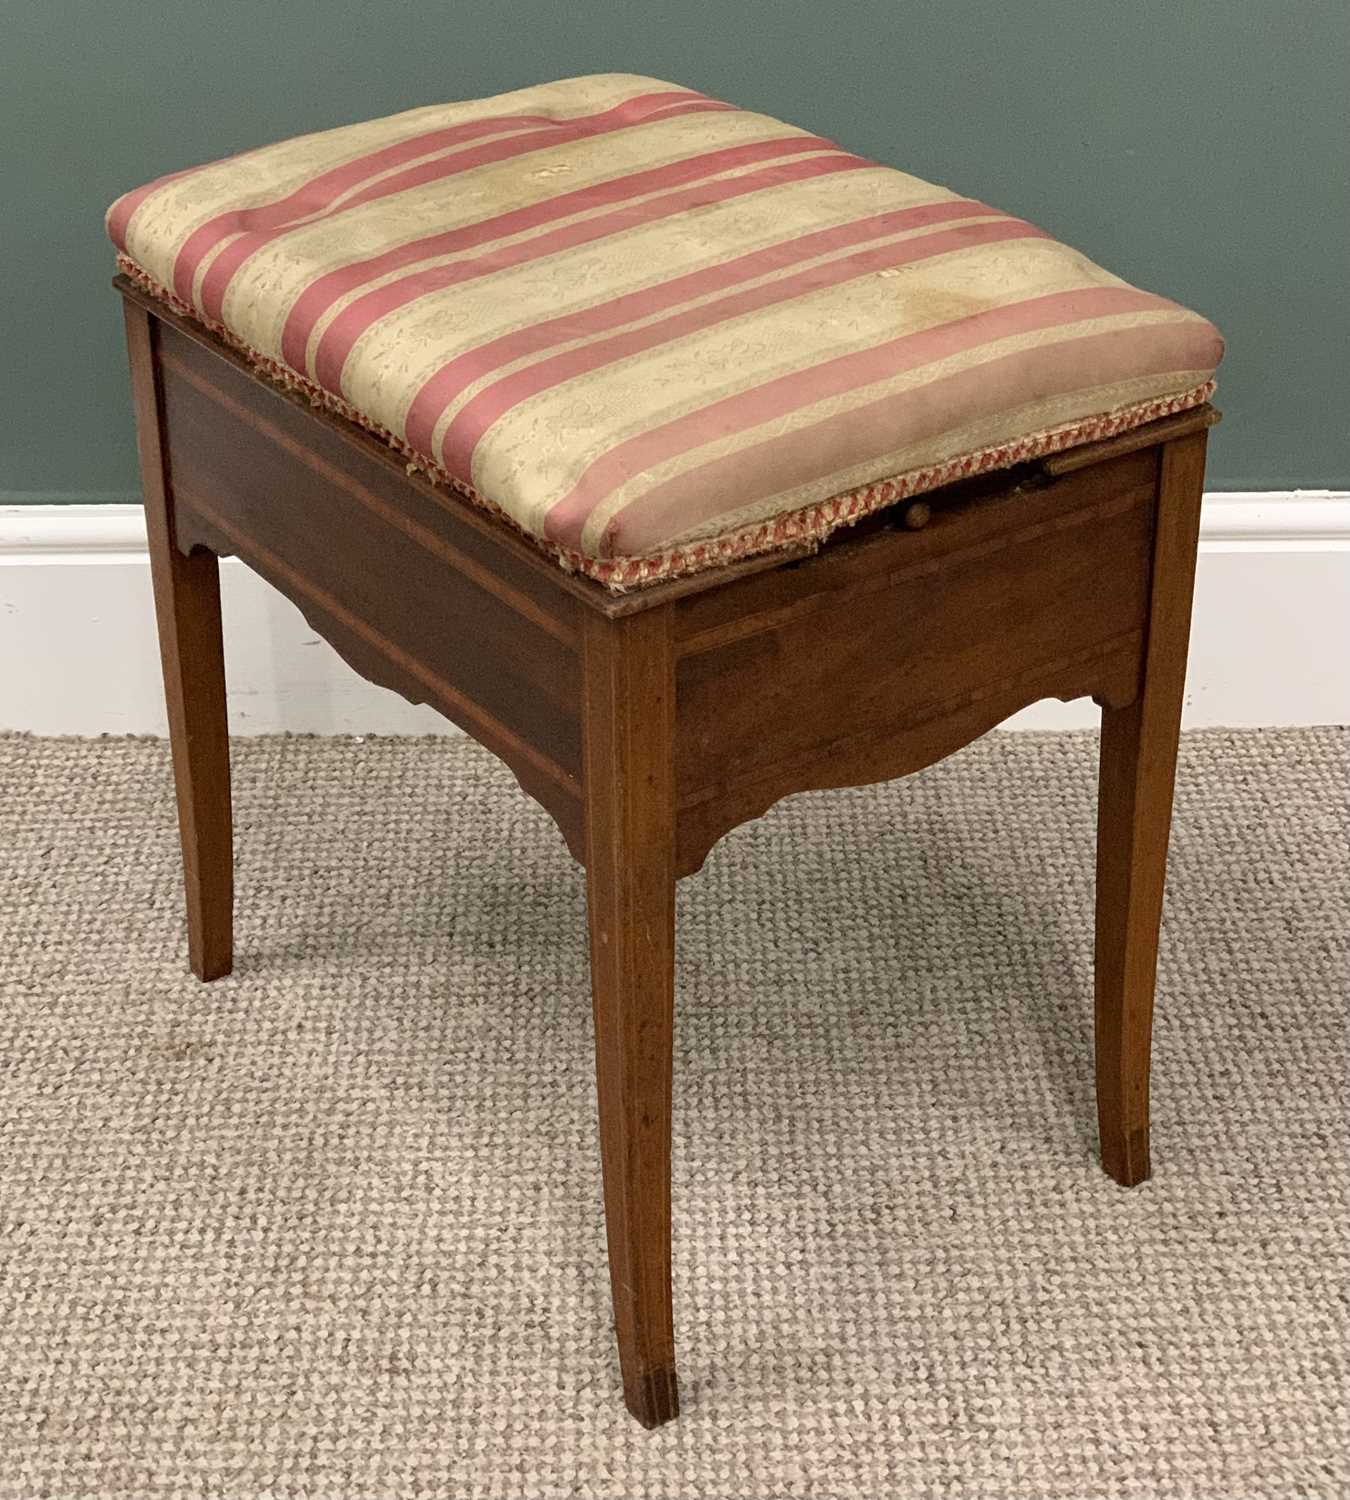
(639, 111)
(469, 425)
(455, 377)
(834, 377)
(119, 216)
(320, 192)
(338, 339)
(899, 420)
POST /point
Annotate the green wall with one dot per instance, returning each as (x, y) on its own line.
(1198, 147)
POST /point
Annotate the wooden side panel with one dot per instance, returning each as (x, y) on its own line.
(887, 653)
(409, 596)
(882, 652)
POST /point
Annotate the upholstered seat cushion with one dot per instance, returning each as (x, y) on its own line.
(655, 331)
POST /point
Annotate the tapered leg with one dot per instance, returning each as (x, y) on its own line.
(1138, 764)
(630, 874)
(187, 608)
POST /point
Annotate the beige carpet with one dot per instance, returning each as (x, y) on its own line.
(332, 1229)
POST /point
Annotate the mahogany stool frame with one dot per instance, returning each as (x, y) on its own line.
(651, 723)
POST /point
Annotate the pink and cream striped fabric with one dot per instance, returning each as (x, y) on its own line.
(655, 331)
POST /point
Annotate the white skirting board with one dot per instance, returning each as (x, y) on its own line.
(1270, 642)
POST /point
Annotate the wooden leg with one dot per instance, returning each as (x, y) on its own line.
(630, 873)
(1138, 765)
(187, 608)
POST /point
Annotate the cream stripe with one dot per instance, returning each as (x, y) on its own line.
(692, 304)
(427, 325)
(336, 206)
(445, 172)
(861, 396)
(296, 260)
(575, 280)
(996, 428)
(166, 220)
(598, 412)
(610, 206)
(912, 379)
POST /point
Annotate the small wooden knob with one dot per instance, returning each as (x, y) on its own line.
(917, 515)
